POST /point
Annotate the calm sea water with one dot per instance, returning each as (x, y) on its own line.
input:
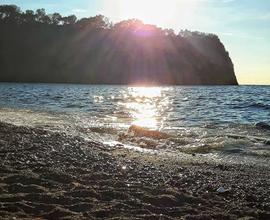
(205, 120)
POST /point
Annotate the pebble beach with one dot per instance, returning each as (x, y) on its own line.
(50, 175)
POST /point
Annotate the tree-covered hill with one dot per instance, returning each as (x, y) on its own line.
(36, 47)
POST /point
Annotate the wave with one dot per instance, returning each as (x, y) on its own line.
(99, 130)
(75, 106)
(198, 141)
(252, 138)
(255, 105)
(232, 139)
(260, 106)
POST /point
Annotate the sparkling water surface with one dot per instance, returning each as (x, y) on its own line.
(201, 119)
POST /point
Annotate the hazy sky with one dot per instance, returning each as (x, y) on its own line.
(242, 25)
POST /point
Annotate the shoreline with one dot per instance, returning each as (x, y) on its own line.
(51, 175)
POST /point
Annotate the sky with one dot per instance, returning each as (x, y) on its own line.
(242, 25)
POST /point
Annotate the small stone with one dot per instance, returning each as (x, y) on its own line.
(222, 190)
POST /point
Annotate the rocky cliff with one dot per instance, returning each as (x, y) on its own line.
(53, 49)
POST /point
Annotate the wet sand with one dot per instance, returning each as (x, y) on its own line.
(49, 175)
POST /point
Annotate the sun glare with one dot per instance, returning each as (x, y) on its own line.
(146, 105)
(170, 13)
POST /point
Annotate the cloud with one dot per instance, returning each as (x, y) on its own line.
(264, 16)
(240, 35)
(228, 1)
(78, 10)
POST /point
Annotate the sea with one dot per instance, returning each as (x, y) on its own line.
(211, 123)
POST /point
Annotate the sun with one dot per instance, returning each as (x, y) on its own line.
(164, 13)
(149, 11)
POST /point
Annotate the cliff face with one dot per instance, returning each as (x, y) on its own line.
(215, 52)
(129, 52)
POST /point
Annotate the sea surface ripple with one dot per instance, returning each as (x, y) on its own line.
(217, 120)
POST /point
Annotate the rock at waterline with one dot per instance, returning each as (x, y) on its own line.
(138, 131)
(262, 125)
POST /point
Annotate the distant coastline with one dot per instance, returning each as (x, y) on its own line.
(40, 48)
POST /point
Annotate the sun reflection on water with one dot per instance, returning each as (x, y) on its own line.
(146, 106)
